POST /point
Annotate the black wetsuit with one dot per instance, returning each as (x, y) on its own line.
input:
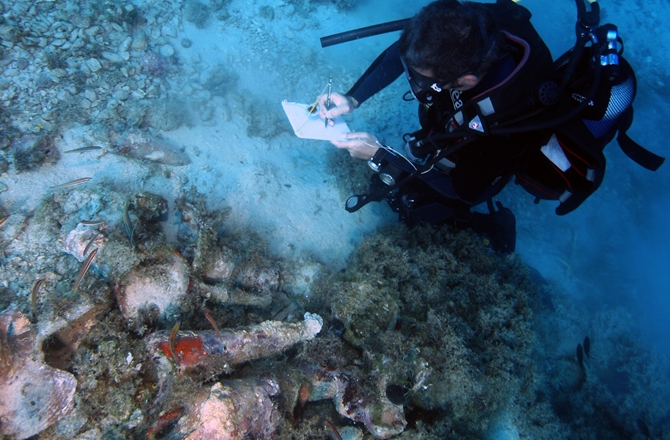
(485, 165)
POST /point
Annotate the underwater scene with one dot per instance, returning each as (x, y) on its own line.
(177, 264)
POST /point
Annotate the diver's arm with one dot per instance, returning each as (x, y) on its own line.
(381, 73)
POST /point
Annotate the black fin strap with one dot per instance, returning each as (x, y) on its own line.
(632, 149)
(638, 153)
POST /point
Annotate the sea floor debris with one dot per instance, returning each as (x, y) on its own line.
(426, 334)
(33, 395)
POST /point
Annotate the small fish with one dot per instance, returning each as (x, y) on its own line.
(216, 327)
(72, 183)
(128, 226)
(165, 423)
(303, 396)
(171, 340)
(580, 355)
(332, 427)
(92, 222)
(84, 149)
(587, 347)
(3, 220)
(33, 297)
(84, 268)
(91, 241)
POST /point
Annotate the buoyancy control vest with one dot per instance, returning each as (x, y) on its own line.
(569, 109)
(570, 164)
(573, 110)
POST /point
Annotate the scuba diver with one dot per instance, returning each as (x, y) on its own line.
(491, 107)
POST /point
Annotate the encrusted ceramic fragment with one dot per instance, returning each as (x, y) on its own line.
(258, 277)
(207, 353)
(381, 417)
(141, 145)
(78, 240)
(155, 288)
(33, 395)
(221, 293)
(235, 409)
(212, 263)
(223, 279)
(150, 207)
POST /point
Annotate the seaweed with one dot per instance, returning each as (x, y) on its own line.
(220, 80)
(197, 13)
(437, 312)
(351, 176)
(264, 120)
(166, 114)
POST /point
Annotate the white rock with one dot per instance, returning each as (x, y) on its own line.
(93, 64)
(169, 30)
(167, 50)
(90, 95)
(63, 95)
(139, 43)
(92, 30)
(59, 73)
(126, 44)
(113, 57)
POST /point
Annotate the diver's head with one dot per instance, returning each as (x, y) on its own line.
(449, 44)
(424, 84)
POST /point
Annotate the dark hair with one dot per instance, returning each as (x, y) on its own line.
(452, 39)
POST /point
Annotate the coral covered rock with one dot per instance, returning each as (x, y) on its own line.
(32, 151)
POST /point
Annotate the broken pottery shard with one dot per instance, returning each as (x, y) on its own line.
(206, 353)
(224, 280)
(156, 287)
(234, 410)
(141, 145)
(33, 395)
(213, 263)
(78, 240)
(379, 415)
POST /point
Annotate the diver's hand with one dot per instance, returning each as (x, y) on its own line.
(360, 145)
(339, 105)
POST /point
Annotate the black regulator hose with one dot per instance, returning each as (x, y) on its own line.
(365, 32)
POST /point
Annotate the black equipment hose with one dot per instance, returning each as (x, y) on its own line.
(365, 32)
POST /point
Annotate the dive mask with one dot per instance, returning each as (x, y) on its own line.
(423, 87)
